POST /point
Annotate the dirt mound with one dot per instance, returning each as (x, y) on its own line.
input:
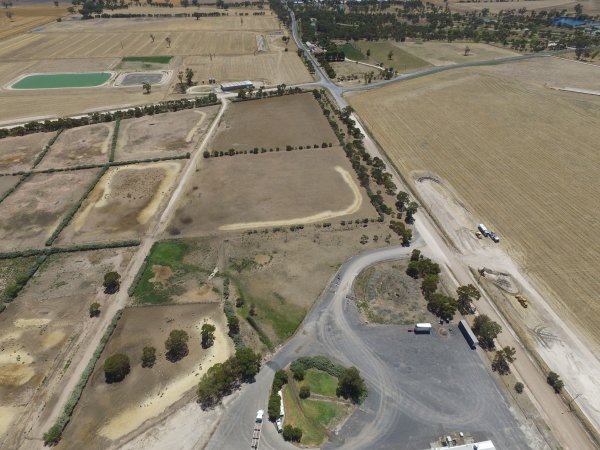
(161, 274)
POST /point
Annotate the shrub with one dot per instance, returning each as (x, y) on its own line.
(52, 436)
(111, 282)
(95, 309)
(554, 380)
(208, 335)
(297, 371)
(304, 392)
(519, 387)
(176, 345)
(274, 406)
(148, 356)
(292, 434)
(351, 385)
(116, 367)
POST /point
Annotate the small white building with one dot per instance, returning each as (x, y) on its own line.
(236, 85)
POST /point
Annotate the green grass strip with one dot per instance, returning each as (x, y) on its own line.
(115, 136)
(148, 59)
(40, 156)
(61, 226)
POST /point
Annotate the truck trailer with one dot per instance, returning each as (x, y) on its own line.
(468, 333)
(483, 230)
(422, 328)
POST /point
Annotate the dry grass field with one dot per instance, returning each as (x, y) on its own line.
(589, 6)
(28, 17)
(124, 203)
(84, 145)
(444, 53)
(524, 157)
(273, 122)
(99, 44)
(269, 190)
(108, 412)
(18, 153)
(6, 182)
(163, 135)
(39, 330)
(33, 211)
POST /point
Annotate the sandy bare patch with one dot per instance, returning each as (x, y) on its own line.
(53, 339)
(161, 274)
(262, 259)
(7, 416)
(15, 374)
(319, 217)
(31, 323)
(157, 402)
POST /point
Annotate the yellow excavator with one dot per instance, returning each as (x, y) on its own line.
(522, 300)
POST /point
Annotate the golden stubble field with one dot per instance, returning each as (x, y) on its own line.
(224, 48)
(524, 157)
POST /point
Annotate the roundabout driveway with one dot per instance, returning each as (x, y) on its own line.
(420, 386)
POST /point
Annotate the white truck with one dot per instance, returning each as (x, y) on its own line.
(422, 328)
(483, 230)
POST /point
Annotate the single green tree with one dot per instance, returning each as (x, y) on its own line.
(234, 325)
(304, 392)
(247, 363)
(189, 74)
(148, 356)
(466, 295)
(554, 380)
(429, 285)
(94, 309)
(486, 330)
(116, 367)
(502, 359)
(208, 335)
(292, 434)
(176, 345)
(351, 385)
(146, 87)
(112, 282)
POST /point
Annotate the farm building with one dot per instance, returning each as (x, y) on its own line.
(236, 85)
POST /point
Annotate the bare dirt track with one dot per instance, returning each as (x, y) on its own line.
(273, 122)
(236, 192)
(41, 328)
(34, 210)
(146, 393)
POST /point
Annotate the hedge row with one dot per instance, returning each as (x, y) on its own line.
(320, 363)
(65, 417)
(71, 249)
(93, 118)
(11, 291)
(15, 187)
(274, 406)
(261, 334)
(63, 223)
(113, 143)
(40, 156)
(229, 311)
(256, 150)
(97, 166)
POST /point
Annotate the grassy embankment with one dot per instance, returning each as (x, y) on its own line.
(401, 60)
(313, 416)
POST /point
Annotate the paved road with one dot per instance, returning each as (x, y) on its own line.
(419, 386)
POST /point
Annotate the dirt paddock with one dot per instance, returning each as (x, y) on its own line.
(273, 122)
(77, 146)
(33, 211)
(108, 412)
(271, 189)
(18, 153)
(161, 135)
(123, 203)
(39, 329)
